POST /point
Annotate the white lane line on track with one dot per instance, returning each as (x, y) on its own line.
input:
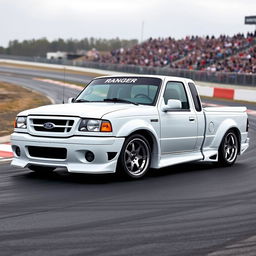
(73, 86)
(5, 159)
(5, 147)
(251, 112)
(5, 152)
(244, 247)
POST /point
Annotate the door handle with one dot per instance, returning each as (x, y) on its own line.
(191, 119)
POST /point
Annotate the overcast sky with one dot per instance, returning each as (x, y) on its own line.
(27, 19)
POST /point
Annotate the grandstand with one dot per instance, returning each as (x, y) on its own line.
(216, 54)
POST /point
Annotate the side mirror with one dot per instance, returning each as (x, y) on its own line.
(171, 105)
(71, 100)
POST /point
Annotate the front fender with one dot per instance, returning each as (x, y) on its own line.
(137, 125)
(134, 125)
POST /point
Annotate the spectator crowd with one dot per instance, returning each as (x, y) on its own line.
(224, 53)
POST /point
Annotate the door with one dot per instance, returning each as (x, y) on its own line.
(178, 127)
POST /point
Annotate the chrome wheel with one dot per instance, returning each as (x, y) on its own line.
(230, 147)
(135, 157)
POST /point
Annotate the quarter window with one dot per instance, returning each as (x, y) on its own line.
(195, 97)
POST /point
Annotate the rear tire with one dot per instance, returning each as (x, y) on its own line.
(228, 149)
(135, 157)
(41, 169)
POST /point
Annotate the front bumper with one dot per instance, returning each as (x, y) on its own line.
(76, 147)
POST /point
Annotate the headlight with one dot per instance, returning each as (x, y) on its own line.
(20, 122)
(93, 125)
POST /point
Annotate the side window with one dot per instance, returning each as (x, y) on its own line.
(176, 91)
(195, 97)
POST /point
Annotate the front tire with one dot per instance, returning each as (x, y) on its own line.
(135, 157)
(228, 149)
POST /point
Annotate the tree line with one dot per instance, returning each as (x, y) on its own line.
(39, 47)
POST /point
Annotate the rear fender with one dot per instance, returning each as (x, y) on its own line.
(222, 129)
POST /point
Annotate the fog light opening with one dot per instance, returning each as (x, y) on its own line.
(214, 157)
(17, 151)
(111, 155)
(89, 156)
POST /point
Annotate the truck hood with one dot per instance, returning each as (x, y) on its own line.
(89, 110)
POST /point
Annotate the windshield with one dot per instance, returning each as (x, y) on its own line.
(135, 90)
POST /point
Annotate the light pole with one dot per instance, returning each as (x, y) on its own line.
(142, 31)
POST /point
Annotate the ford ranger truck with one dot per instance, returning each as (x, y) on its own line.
(129, 124)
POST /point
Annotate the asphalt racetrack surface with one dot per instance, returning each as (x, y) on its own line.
(190, 209)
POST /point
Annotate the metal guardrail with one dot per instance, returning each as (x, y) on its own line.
(205, 76)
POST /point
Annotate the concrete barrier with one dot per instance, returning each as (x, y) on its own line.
(228, 93)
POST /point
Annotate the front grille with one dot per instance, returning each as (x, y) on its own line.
(56, 125)
(46, 152)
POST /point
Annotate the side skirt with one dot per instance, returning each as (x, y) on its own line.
(178, 158)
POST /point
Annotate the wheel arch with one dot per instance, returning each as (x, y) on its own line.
(147, 130)
(147, 134)
(153, 143)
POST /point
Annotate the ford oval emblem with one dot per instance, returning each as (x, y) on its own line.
(49, 125)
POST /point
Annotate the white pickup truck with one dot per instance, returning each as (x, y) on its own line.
(129, 124)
